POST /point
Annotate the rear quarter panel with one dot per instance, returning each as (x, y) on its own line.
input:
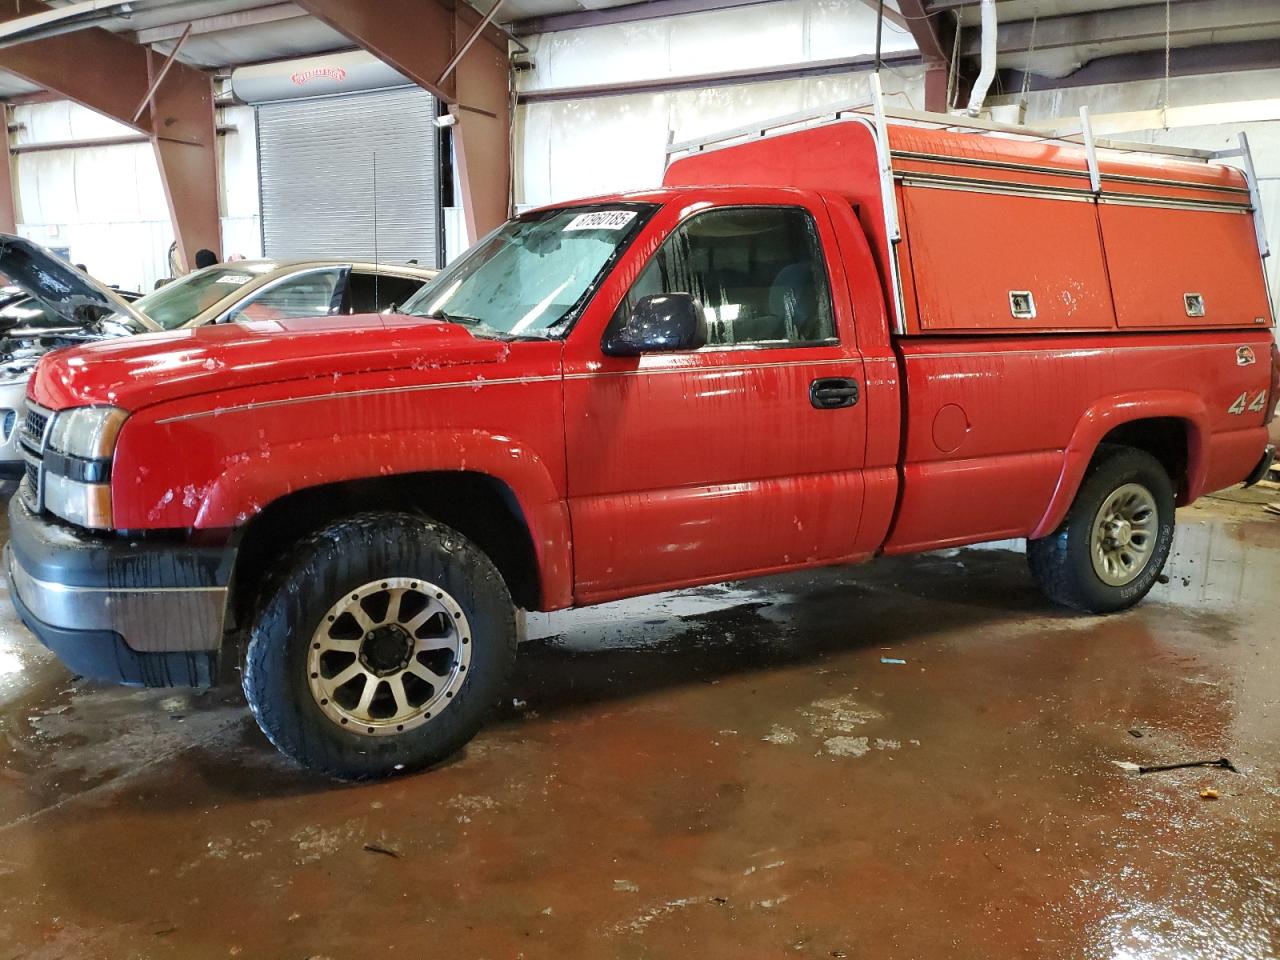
(999, 430)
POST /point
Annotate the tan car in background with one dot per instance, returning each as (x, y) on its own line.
(68, 307)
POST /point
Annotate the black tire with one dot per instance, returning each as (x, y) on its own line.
(325, 567)
(1061, 562)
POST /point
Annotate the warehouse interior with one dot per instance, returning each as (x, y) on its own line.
(916, 757)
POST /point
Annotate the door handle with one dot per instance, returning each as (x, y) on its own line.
(830, 393)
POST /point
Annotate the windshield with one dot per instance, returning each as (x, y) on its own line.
(528, 276)
(182, 300)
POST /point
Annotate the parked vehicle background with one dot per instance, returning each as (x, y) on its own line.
(37, 320)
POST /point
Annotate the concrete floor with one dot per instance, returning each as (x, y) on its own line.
(730, 772)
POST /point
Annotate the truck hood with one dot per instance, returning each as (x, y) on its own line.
(74, 296)
(136, 372)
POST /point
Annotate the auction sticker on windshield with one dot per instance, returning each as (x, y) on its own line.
(601, 220)
(235, 279)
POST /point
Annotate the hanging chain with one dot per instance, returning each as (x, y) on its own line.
(953, 72)
(1026, 66)
(1167, 33)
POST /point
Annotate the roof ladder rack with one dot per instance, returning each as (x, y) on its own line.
(1251, 178)
(875, 107)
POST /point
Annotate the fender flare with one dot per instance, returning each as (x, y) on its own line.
(253, 481)
(1107, 414)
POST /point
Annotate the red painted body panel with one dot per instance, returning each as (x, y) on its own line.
(246, 446)
(668, 470)
(1158, 255)
(1035, 409)
(963, 285)
(713, 462)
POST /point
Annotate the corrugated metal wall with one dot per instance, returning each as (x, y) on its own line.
(319, 160)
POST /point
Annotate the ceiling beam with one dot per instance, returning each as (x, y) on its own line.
(890, 14)
(114, 76)
(1125, 24)
(812, 68)
(272, 13)
(627, 13)
(1149, 65)
(934, 34)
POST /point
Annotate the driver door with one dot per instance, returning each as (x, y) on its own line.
(722, 461)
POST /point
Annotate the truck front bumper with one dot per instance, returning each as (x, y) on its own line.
(127, 611)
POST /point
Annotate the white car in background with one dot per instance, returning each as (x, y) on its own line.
(69, 307)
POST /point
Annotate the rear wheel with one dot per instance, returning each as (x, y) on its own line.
(1115, 539)
(381, 646)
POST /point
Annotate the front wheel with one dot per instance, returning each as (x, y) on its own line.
(1110, 549)
(381, 645)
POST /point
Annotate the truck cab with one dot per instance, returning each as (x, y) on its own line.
(802, 350)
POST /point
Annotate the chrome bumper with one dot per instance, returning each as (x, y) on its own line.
(148, 619)
(129, 611)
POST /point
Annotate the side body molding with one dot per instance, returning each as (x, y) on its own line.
(1110, 412)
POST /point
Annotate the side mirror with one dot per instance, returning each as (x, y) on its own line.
(662, 323)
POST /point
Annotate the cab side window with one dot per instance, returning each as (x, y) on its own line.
(312, 294)
(758, 273)
(369, 294)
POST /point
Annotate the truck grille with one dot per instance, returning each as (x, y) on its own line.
(36, 421)
(35, 428)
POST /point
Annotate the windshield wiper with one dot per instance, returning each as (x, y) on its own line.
(456, 318)
(471, 323)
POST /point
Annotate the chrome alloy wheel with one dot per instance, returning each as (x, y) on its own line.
(389, 656)
(1124, 534)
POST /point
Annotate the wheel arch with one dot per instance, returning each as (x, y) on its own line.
(1171, 425)
(481, 507)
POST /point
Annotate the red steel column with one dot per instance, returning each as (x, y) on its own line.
(483, 132)
(934, 35)
(111, 75)
(8, 199)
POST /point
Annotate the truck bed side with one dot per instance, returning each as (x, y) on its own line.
(999, 430)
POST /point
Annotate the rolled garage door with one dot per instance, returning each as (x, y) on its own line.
(318, 159)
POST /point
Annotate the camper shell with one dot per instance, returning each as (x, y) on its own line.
(986, 231)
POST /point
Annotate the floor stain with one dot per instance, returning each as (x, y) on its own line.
(725, 772)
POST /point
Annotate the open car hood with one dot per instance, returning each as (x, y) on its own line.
(71, 294)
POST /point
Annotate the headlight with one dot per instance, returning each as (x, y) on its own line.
(77, 465)
(87, 432)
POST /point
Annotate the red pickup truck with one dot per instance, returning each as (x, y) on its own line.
(804, 349)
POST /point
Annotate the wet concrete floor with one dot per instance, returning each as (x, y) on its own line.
(729, 772)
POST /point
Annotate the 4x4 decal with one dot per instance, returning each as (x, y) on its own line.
(1243, 403)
